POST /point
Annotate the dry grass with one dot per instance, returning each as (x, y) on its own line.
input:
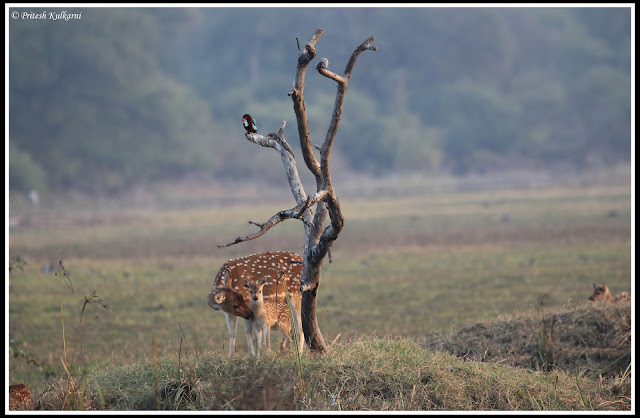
(592, 338)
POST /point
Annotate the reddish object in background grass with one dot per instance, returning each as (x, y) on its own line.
(19, 397)
(602, 292)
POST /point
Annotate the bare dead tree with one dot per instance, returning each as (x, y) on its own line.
(318, 238)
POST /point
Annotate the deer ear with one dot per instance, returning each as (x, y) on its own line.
(219, 298)
(595, 286)
(226, 273)
(245, 283)
(263, 280)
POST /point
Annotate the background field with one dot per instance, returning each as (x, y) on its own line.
(417, 256)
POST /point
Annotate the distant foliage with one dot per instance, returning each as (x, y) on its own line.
(93, 106)
(24, 172)
(130, 94)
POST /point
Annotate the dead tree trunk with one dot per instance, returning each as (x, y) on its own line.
(318, 238)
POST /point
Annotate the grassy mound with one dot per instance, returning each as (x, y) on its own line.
(366, 374)
(594, 338)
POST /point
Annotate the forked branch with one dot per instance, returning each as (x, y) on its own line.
(337, 220)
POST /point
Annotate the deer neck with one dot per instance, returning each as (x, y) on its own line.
(257, 307)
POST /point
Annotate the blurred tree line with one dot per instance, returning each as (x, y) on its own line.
(126, 95)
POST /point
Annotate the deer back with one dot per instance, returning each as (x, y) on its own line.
(622, 297)
(282, 269)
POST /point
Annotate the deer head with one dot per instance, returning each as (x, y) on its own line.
(600, 292)
(226, 299)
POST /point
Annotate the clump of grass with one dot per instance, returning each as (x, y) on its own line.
(543, 356)
(180, 391)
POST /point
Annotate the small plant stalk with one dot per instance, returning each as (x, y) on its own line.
(78, 331)
(296, 343)
(155, 372)
(64, 344)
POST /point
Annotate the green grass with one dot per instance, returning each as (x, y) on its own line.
(406, 265)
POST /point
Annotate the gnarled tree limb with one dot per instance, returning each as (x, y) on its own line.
(305, 56)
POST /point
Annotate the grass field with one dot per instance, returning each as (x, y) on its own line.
(414, 259)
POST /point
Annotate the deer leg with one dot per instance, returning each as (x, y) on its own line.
(267, 339)
(249, 331)
(258, 331)
(284, 345)
(298, 329)
(232, 322)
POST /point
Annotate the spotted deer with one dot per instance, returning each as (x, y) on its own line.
(267, 316)
(601, 292)
(229, 295)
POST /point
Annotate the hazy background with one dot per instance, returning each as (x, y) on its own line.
(130, 96)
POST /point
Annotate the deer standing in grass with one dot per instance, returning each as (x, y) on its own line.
(229, 294)
(601, 292)
(267, 316)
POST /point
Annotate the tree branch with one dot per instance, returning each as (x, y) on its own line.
(325, 239)
(271, 140)
(322, 68)
(333, 76)
(280, 144)
(301, 210)
(296, 212)
(331, 232)
(366, 45)
(270, 223)
(304, 58)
